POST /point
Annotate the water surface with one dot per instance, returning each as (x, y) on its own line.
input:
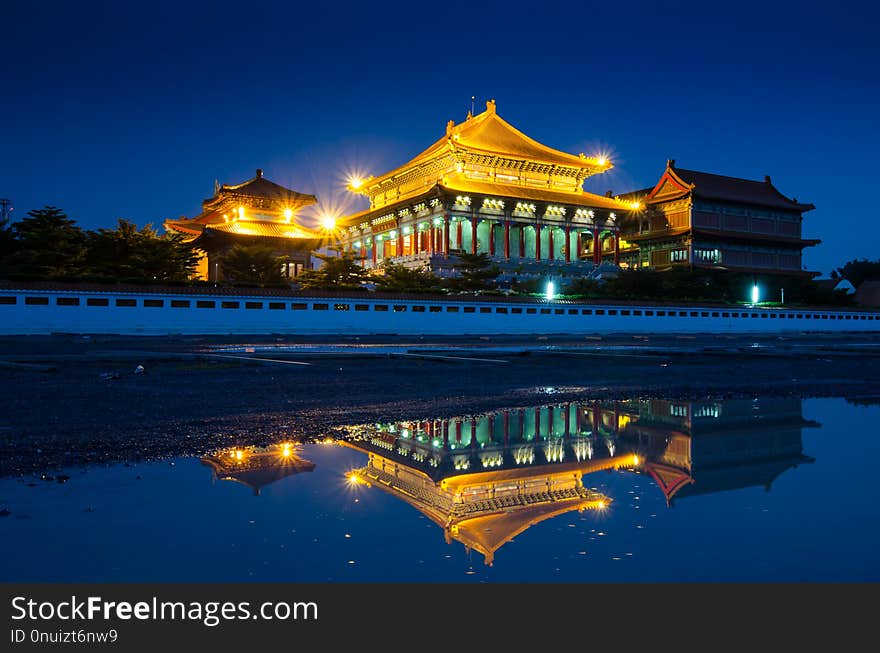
(763, 489)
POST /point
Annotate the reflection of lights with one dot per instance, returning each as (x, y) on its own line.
(328, 441)
(756, 294)
(550, 290)
(241, 212)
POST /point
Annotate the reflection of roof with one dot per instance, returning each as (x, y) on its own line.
(258, 469)
(733, 477)
(488, 533)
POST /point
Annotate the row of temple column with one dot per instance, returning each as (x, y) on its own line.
(436, 240)
(454, 429)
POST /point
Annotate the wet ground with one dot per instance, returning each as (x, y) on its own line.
(68, 400)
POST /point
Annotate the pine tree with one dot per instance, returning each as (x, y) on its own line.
(343, 272)
(48, 244)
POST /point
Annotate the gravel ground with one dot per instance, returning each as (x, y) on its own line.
(67, 401)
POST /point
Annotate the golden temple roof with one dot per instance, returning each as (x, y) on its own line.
(489, 133)
(480, 143)
(256, 207)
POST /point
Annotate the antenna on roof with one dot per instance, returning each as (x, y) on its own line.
(473, 98)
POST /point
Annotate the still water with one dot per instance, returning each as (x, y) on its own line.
(763, 489)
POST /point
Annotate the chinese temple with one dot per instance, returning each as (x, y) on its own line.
(701, 220)
(257, 211)
(485, 187)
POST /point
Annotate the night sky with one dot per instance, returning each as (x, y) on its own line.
(134, 109)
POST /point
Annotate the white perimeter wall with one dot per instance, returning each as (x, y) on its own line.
(45, 312)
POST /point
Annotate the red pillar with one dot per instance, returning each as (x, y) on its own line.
(551, 250)
(491, 238)
(567, 420)
(537, 423)
(616, 249)
(597, 254)
(567, 244)
(537, 242)
(431, 231)
(579, 245)
(507, 241)
(445, 248)
(444, 425)
(596, 419)
(506, 427)
(458, 234)
(522, 242)
(473, 235)
(577, 418)
(373, 245)
(473, 432)
(458, 431)
(399, 241)
(491, 425)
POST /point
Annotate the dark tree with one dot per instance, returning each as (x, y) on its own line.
(476, 272)
(343, 272)
(48, 244)
(256, 265)
(857, 271)
(7, 243)
(583, 287)
(398, 278)
(127, 253)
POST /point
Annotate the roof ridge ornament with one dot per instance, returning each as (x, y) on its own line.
(490, 105)
(449, 126)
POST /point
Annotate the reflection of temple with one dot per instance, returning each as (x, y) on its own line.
(703, 447)
(485, 479)
(257, 467)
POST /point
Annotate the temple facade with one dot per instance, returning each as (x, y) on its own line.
(485, 187)
(257, 211)
(702, 220)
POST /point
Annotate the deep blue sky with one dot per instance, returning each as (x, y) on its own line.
(134, 109)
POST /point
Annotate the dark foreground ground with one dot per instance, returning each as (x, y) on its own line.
(68, 400)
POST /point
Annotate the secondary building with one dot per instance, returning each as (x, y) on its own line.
(703, 220)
